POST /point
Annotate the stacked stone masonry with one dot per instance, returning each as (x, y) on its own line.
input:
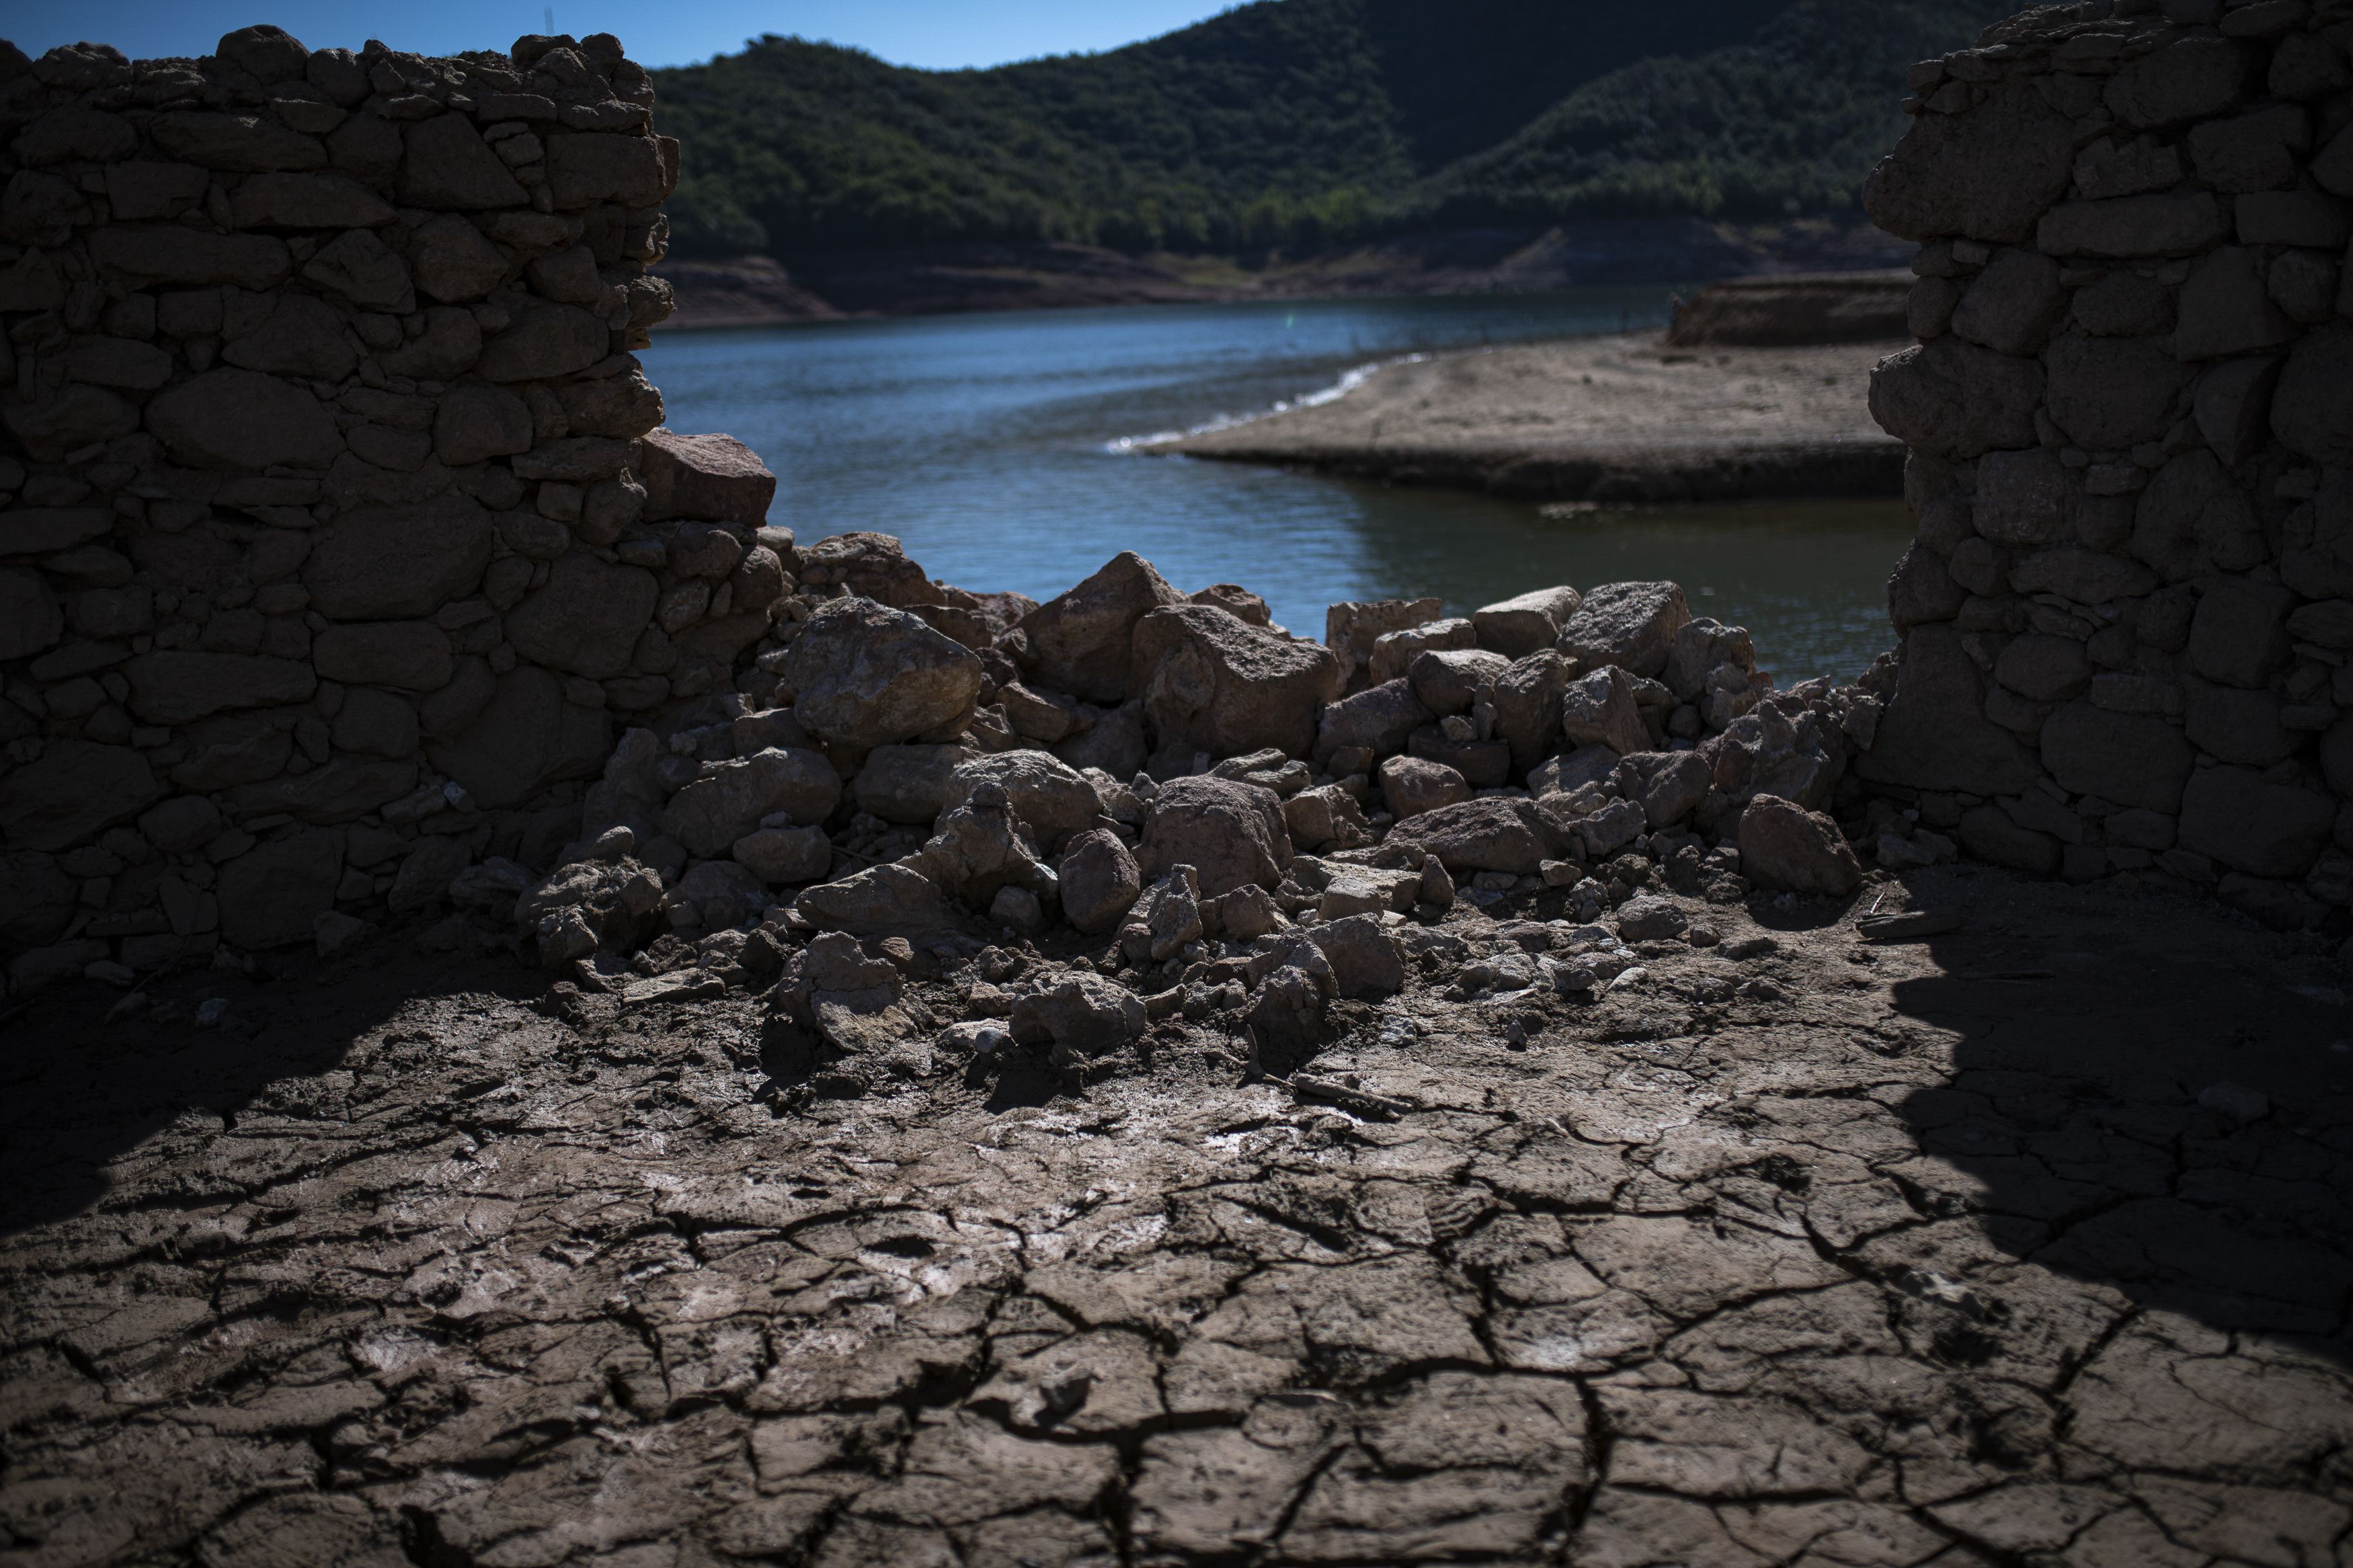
(348, 576)
(351, 578)
(336, 532)
(2127, 620)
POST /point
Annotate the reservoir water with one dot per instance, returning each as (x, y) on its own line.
(1003, 450)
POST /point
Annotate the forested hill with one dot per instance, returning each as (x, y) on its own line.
(1309, 122)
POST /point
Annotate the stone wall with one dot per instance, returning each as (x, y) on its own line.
(336, 532)
(2127, 620)
(347, 577)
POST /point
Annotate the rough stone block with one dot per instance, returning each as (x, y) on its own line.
(2131, 759)
(1987, 173)
(2264, 829)
(1215, 682)
(716, 479)
(1956, 400)
(1081, 640)
(271, 895)
(1519, 627)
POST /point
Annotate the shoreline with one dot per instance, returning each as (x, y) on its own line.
(1581, 419)
(979, 276)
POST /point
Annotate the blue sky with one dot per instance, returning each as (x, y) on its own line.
(938, 34)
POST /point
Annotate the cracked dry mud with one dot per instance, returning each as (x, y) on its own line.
(1950, 1253)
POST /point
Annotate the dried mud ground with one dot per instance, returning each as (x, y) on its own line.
(2024, 1244)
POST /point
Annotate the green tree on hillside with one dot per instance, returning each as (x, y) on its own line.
(1292, 123)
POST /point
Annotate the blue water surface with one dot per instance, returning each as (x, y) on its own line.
(1003, 450)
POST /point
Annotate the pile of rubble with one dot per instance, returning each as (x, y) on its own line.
(1146, 804)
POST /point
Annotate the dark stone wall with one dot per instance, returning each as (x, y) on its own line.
(2128, 621)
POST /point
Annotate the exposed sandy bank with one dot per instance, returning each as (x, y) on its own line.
(1616, 418)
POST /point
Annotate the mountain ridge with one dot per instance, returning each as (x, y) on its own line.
(1293, 126)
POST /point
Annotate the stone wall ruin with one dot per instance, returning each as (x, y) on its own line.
(336, 528)
(347, 575)
(2127, 620)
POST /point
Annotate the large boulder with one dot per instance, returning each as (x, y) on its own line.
(30, 619)
(525, 738)
(1412, 785)
(2130, 758)
(1380, 719)
(588, 904)
(1954, 399)
(1517, 627)
(1082, 641)
(731, 798)
(1572, 770)
(1987, 173)
(244, 420)
(1325, 817)
(1394, 652)
(1085, 1016)
(1221, 684)
(910, 783)
(1448, 681)
(865, 674)
(270, 894)
(1631, 624)
(1765, 751)
(1100, 881)
(1232, 833)
(74, 789)
(721, 893)
(981, 848)
(1669, 784)
(1496, 834)
(1363, 957)
(1235, 600)
(2112, 393)
(587, 618)
(1118, 742)
(872, 566)
(1790, 849)
(2310, 411)
(1600, 709)
(173, 686)
(897, 900)
(344, 788)
(716, 479)
(1701, 647)
(1050, 798)
(38, 900)
(782, 856)
(1290, 993)
(2191, 79)
(1165, 919)
(391, 563)
(412, 655)
(2264, 829)
(1934, 734)
(1353, 626)
(1528, 705)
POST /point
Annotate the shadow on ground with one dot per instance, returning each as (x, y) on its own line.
(81, 1091)
(2141, 1110)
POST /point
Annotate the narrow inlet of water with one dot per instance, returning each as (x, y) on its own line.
(1000, 449)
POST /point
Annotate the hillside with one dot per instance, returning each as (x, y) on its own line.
(1786, 122)
(1301, 125)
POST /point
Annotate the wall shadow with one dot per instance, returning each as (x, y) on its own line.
(2148, 1097)
(78, 1092)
